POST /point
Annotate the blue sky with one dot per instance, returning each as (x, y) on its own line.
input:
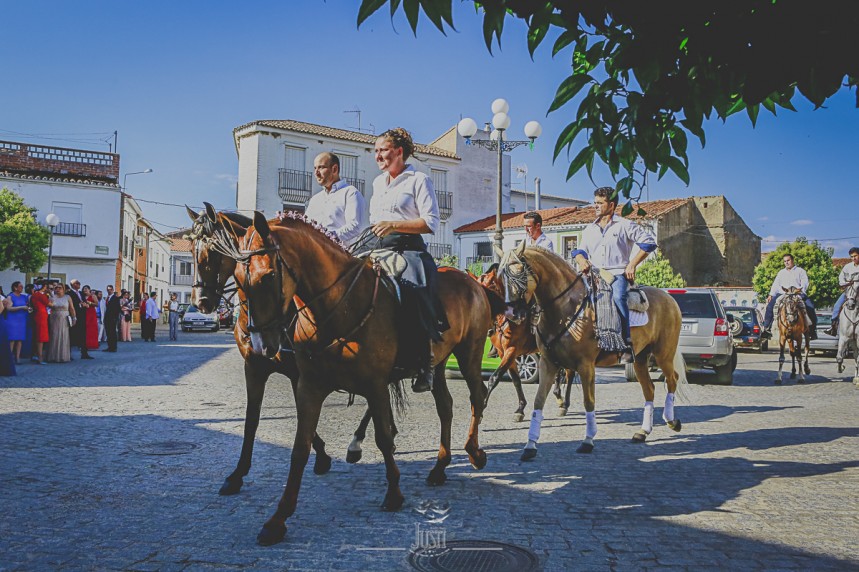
(175, 78)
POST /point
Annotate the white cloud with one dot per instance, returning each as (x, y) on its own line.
(802, 222)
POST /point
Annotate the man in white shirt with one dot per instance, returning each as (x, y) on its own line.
(607, 243)
(848, 275)
(339, 206)
(789, 276)
(152, 313)
(534, 230)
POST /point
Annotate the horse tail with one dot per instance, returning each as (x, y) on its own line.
(398, 399)
(682, 382)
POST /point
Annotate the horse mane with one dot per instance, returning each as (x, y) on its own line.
(300, 217)
(239, 219)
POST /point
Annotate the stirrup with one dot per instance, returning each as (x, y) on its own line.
(423, 381)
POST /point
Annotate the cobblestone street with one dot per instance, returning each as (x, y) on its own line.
(115, 464)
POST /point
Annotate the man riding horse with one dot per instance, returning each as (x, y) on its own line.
(607, 243)
(848, 274)
(789, 276)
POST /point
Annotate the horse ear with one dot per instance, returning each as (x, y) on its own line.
(210, 211)
(194, 216)
(521, 249)
(261, 225)
(498, 251)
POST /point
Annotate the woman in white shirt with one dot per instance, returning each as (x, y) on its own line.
(403, 207)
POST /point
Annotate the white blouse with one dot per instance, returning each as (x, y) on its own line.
(341, 210)
(408, 196)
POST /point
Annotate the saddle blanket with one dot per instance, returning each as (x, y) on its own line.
(638, 318)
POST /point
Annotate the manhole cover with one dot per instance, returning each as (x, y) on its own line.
(473, 556)
(167, 448)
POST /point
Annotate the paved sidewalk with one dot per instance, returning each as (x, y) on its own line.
(115, 464)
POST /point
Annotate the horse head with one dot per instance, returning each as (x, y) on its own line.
(266, 287)
(793, 304)
(850, 294)
(491, 280)
(518, 283)
(210, 233)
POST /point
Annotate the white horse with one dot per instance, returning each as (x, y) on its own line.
(848, 328)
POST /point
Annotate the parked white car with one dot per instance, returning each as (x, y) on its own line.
(194, 319)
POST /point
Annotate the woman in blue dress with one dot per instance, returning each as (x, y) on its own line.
(16, 318)
(7, 364)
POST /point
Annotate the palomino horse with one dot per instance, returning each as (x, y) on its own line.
(792, 329)
(214, 269)
(848, 327)
(566, 337)
(511, 340)
(352, 343)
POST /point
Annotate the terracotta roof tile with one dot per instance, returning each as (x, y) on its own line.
(564, 216)
(181, 244)
(334, 133)
(58, 179)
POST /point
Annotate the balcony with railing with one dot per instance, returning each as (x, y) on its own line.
(182, 280)
(357, 183)
(438, 250)
(294, 187)
(70, 229)
(445, 204)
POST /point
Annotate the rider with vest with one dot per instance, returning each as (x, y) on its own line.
(847, 273)
(607, 243)
(790, 275)
(403, 207)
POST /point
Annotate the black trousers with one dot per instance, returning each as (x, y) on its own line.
(110, 327)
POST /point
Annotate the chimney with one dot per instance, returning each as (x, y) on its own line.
(536, 193)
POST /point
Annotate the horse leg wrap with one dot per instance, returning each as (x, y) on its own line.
(536, 422)
(668, 411)
(647, 420)
(590, 425)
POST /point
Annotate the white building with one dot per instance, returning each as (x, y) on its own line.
(182, 264)
(81, 188)
(276, 172)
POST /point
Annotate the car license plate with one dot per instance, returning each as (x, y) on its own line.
(686, 327)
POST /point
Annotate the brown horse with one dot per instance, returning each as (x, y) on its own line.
(792, 328)
(214, 270)
(352, 343)
(512, 340)
(566, 337)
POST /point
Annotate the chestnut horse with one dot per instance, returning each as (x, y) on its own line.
(792, 329)
(566, 337)
(512, 340)
(213, 271)
(352, 343)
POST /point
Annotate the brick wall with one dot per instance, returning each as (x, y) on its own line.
(46, 160)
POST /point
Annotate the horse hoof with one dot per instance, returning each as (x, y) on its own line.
(518, 417)
(777, 382)
(585, 448)
(322, 464)
(393, 503)
(675, 425)
(528, 454)
(562, 412)
(353, 456)
(638, 437)
(478, 460)
(271, 534)
(436, 478)
(231, 487)
(800, 380)
(793, 376)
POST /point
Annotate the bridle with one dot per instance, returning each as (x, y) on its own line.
(205, 235)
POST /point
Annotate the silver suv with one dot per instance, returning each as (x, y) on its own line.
(705, 335)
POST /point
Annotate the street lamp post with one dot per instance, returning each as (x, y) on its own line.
(498, 142)
(52, 220)
(124, 178)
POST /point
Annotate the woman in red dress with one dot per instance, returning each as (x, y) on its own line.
(41, 302)
(90, 302)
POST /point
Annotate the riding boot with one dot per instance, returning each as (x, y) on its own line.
(833, 329)
(423, 381)
(627, 356)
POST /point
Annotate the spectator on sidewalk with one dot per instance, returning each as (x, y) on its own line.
(173, 316)
(152, 313)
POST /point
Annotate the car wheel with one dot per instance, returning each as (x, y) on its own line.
(736, 327)
(528, 368)
(629, 371)
(725, 373)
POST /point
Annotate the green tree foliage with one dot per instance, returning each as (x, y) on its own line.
(22, 240)
(656, 271)
(652, 72)
(447, 260)
(810, 256)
